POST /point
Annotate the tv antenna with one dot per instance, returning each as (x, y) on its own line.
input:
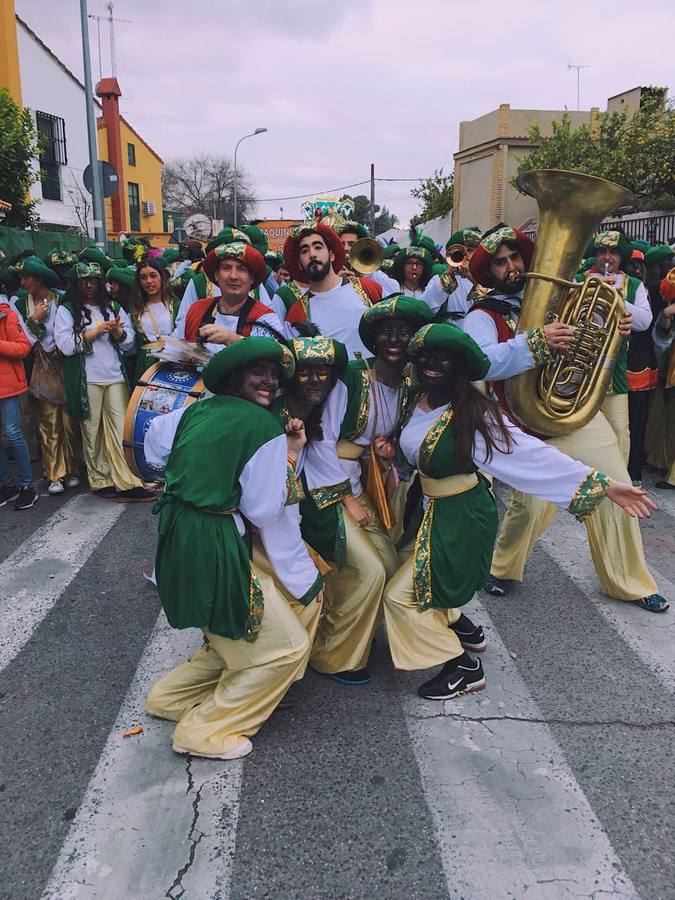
(110, 19)
(569, 66)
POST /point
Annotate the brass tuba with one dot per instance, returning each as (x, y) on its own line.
(562, 395)
(366, 256)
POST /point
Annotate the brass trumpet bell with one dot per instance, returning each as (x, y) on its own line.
(456, 255)
(366, 256)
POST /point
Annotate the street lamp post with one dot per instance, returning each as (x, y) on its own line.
(252, 134)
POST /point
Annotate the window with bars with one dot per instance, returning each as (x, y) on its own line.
(53, 153)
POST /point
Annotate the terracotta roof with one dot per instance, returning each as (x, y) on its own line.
(77, 81)
(5, 206)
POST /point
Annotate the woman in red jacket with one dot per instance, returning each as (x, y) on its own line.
(14, 346)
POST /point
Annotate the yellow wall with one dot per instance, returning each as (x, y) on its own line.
(10, 74)
(146, 174)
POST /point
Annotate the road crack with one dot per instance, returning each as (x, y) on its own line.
(194, 835)
(581, 723)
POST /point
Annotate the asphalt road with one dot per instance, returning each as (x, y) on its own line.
(556, 781)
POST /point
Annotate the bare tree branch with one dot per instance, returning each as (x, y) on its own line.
(205, 184)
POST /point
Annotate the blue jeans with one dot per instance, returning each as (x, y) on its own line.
(10, 419)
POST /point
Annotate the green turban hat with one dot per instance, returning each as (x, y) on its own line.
(397, 307)
(241, 353)
(454, 340)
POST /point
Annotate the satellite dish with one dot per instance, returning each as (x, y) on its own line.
(198, 226)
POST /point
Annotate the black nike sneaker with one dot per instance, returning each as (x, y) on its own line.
(471, 637)
(458, 676)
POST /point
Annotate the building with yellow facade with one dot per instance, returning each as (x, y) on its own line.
(40, 81)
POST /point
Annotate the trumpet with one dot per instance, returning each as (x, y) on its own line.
(366, 256)
(457, 256)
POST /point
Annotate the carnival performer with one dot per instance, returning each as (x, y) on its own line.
(315, 255)
(362, 420)
(201, 286)
(451, 295)
(412, 270)
(120, 280)
(228, 464)
(612, 253)
(93, 332)
(453, 436)
(153, 310)
(217, 321)
(60, 443)
(499, 263)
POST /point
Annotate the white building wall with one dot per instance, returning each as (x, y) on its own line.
(46, 87)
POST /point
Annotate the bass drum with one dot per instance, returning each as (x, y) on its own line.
(163, 388)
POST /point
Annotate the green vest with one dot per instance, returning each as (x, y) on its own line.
(203, 565)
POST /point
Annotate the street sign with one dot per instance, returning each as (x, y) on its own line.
(109, 177)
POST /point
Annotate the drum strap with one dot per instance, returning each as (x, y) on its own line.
(242, 316)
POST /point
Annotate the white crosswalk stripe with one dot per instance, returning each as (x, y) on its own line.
(511, 819)
(37, 573)
(152, 824)
(650, 635)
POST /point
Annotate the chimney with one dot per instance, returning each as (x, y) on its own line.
(109, 92)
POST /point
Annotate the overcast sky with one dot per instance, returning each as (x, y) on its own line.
(342, 84)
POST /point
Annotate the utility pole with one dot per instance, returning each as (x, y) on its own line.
(97, 193)
(372, 199)
(578, 68)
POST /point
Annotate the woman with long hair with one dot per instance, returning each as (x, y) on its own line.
(93, 332)
(455, 437)
(153, 309)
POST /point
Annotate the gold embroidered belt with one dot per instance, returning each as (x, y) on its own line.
(349, 450)
(448, 487)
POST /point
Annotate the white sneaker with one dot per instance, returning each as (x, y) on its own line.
(55, 487)
(71, 481)
(237, 752)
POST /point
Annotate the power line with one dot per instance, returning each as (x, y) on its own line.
(332, 190)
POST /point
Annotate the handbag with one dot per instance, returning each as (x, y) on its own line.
(46, 381)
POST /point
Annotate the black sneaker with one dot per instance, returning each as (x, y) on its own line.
(458, 676)
(26, 498)
(136, 495)
(107, 493)
(8, 492)
(471, 636)
(497, 587)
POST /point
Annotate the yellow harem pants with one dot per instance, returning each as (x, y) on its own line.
(379, 537)
(417, 640)
(615, 409)
(60, 442)
(102, 434)
(350, 607)
(613, 536)
(228, 689)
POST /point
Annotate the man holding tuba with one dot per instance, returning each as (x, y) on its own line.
(612, 252)
(500, 263)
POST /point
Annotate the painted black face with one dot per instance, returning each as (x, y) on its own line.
(312, 384)
(434, 368)
(259, 382)
(392, 337)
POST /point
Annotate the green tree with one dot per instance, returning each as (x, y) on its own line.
(384, 219)
(636, 150)
(18, 148)
(435, 194)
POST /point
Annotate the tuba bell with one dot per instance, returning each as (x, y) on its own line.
(564, 394)
(366, 256)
